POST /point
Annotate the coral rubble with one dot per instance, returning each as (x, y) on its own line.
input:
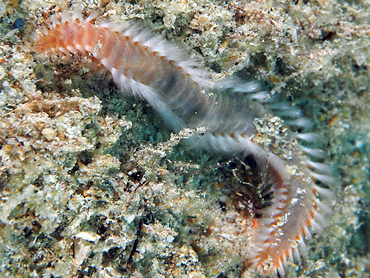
(93, 185)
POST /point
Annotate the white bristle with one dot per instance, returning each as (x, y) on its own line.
(93, 15)
(300, 122)
(65, 16)
(323, 178)
(321, 167)
(308, 137)
(314, 152)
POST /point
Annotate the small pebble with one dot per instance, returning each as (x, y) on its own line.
(18, 24)
(49, 133)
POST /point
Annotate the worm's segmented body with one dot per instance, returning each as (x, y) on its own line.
(150, 68)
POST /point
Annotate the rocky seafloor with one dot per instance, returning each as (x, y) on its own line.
(93, 184)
